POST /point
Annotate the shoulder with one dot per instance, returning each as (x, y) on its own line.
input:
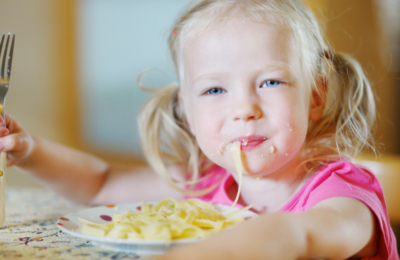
(344, 171)
(344, 179)
(338, 179)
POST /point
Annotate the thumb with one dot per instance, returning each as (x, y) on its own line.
(12, 142)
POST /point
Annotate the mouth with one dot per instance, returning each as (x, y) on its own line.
(250, 142)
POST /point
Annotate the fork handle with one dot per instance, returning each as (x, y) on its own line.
(3, 165)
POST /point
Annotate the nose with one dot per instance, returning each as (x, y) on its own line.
(246, 109)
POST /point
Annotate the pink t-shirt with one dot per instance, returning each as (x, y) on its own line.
(339, 179)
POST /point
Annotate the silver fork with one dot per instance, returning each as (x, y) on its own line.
(5, 73)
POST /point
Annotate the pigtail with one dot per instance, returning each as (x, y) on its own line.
(346, 126)
(356, 118)
(166, 138)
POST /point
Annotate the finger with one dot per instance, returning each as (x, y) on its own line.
(10, 161)
(13, 142)
(4, 131)
(11, 123)
(8, 119)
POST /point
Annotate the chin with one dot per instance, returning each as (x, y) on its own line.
(263, 168)
(253, 170)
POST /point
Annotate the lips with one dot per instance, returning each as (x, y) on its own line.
(250, 142)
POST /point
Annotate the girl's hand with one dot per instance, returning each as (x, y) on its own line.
(15, 141)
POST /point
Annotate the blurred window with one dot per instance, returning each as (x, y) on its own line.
(117, 40)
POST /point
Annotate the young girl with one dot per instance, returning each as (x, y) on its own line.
(257, 72)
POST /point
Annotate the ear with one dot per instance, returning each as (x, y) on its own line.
(318, 99)
(186, 114)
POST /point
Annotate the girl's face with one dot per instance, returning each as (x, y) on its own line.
(243, 83)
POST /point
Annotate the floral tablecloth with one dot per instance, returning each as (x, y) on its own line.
(30, 230)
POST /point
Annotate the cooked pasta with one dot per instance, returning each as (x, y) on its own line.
(167, 220)
(170, 219)
(238, 165)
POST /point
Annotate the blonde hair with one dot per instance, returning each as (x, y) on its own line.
(349, 115)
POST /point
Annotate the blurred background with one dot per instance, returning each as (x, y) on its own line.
(76, 64)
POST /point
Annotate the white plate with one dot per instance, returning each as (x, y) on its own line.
(103, 214)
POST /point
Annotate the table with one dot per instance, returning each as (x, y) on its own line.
(30, 232)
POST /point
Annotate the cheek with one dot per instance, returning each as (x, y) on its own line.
(206, 125)
(290, 124)
(297, 132)
(295, 137)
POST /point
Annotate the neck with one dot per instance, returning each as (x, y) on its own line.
(271, 192)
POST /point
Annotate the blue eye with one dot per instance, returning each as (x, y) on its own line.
(270, 83)
(214, 91)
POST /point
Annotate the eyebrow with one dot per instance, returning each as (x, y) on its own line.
(270, 67)
(282, 66)
(208, 75)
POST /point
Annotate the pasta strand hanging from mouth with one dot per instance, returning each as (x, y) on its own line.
(238, 164)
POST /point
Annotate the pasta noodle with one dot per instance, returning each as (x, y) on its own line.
(167, 220)
(238, 164)
(170, 219)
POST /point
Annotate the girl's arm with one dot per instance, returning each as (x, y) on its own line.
(87, 179)
(77, 175)
(337, 228)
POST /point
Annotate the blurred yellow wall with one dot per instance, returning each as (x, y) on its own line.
(42, 93)
(43, 90)
(354, 27)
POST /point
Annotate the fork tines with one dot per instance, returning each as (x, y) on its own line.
(6, 56)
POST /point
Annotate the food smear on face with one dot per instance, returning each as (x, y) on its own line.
(272, 149)
(167, 220)
(221, 148)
